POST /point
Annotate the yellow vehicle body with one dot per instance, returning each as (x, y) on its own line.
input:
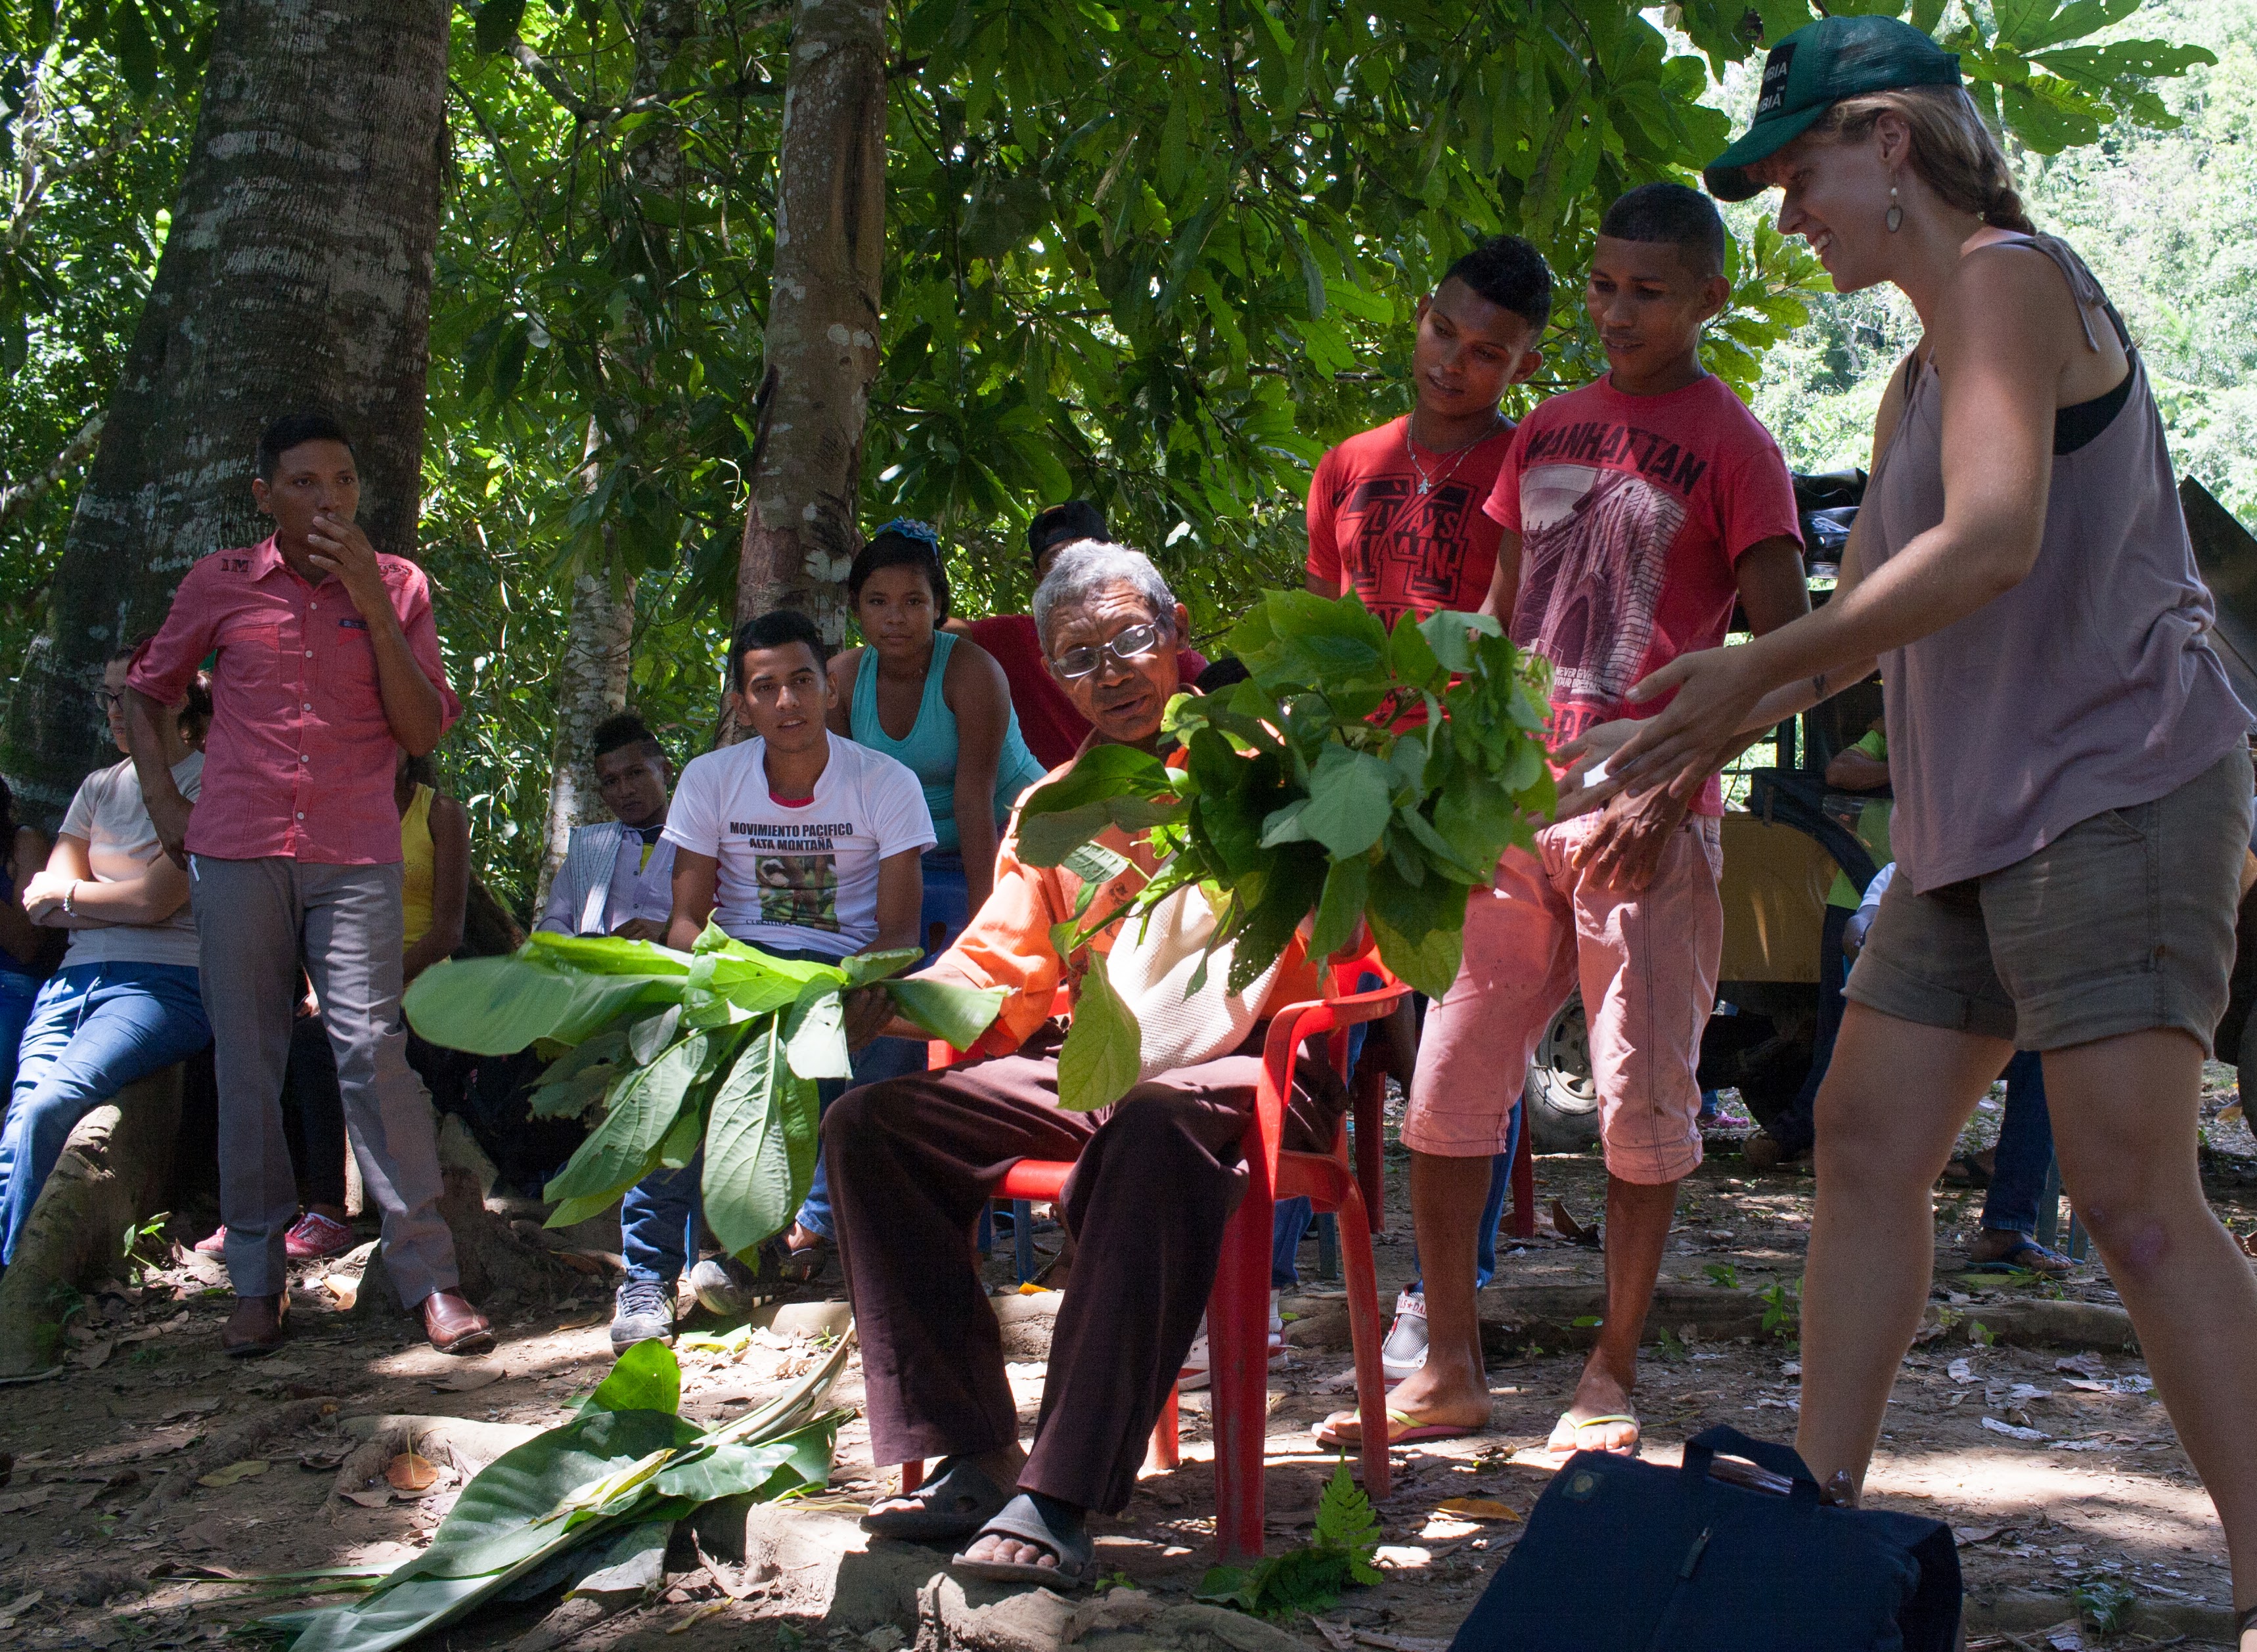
(1774, 892)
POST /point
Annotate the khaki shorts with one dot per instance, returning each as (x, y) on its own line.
(2122, 923)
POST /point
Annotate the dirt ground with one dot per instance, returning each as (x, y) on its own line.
(2062, 1474)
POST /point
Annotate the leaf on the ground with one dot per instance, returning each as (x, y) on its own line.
(193, 1408)
(2013, 1431)
(1339, 1636)
(468, 1379)
(18, 1606)
(1960, 1371)
(320, 1461)
(2230, 1115)
(371, 1497)
(1475, 1508)
(246, 1469)
(16, 1502)
(411, 1472)
(2085, 1365)
(1968, 1536)
(1569, 1228)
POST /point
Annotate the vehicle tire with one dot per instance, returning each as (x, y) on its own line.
(1562, 1097)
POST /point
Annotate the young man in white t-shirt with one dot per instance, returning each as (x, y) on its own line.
(803, 844)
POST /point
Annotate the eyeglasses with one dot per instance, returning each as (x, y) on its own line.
(110, 698)
(1132, 644)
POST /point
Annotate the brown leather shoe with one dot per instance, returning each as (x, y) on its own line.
(454, 1326)
(256, 1327)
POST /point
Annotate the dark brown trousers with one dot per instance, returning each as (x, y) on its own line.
(1155, 1177)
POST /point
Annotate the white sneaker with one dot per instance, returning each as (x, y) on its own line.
(1195, 1374)
(1405, 1351)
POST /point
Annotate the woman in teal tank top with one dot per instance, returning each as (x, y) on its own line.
(938, 703)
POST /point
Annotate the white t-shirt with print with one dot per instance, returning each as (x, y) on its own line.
(122, 843)
(803, 879)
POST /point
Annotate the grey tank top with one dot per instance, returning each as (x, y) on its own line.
(2090, 686)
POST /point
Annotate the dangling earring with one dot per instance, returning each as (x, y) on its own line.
(1896, 211)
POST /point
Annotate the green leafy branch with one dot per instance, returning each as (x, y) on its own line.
(717, 1049)
(1309, 1577)
(1361, 775)
(623, 1470)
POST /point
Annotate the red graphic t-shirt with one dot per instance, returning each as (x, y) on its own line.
(1400, 550)
(1632, 512)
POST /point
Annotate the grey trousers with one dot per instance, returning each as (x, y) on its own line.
(254, 921)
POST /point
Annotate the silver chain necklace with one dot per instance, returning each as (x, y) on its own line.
(1426, 484)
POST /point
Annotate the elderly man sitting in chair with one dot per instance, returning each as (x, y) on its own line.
(1156, 1176)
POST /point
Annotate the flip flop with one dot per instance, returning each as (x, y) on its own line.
(1022, 1518)
(1403, 1429)
(2028, 1257)
(1963, 1171)
(956, 1502)
(1575, 1427)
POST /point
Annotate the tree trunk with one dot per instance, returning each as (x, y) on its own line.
(600, 629)
(297, 275)
(822, 341)
(592, 683)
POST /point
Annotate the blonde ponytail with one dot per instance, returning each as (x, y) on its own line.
(1953, 151)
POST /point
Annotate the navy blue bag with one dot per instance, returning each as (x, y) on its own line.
(1627, 1556)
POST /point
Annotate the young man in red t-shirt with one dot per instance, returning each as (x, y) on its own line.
(1633, 512)
(1395, 513)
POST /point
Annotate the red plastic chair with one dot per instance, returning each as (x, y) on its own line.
(1238, 1310)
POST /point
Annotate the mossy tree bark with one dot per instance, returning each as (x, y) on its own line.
(297, 275)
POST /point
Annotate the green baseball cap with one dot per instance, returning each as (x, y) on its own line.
(1814, 68)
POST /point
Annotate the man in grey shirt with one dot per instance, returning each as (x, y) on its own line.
(618, 875)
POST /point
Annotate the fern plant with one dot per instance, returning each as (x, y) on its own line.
(1309, 1577)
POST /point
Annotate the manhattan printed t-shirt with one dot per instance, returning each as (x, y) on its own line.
(122, 843)
(1371, 531)
(1633, 512)
(803, 879)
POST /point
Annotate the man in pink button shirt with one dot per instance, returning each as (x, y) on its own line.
(328, 660)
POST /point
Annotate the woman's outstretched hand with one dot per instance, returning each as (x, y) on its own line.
(1687, 740)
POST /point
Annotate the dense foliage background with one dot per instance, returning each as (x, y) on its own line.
(1157, 253)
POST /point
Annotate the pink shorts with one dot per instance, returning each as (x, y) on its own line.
(1646, 964)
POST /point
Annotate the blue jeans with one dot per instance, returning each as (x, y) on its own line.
(17, 993)
(1290, 1224)
(94, 1028)
(659, 1215)
(2025, 1150)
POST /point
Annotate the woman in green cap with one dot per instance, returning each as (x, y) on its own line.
(2071, 769)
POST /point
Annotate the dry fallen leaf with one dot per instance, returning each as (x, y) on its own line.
(319, 1461)
(233, 1472)
(2230, 1115)
(16, 1502)
(1475, 1508)
(375, 1497)
(469, 1380)
(193, 1408)
(1569, 1228)
(411, 1473)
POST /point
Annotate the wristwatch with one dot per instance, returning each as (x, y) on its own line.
(67, 895)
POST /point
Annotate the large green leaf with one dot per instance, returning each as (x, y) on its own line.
(497, 1007)
(955, 1014)
(572, 1485)
(620, 1152)
(751, 1187)
(1350, 802)
(514, 1514)
(646, 1378)
(1101, 1059)
(814, 1035)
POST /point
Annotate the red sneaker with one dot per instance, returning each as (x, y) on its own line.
(214, 1245)
(314, 1236)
